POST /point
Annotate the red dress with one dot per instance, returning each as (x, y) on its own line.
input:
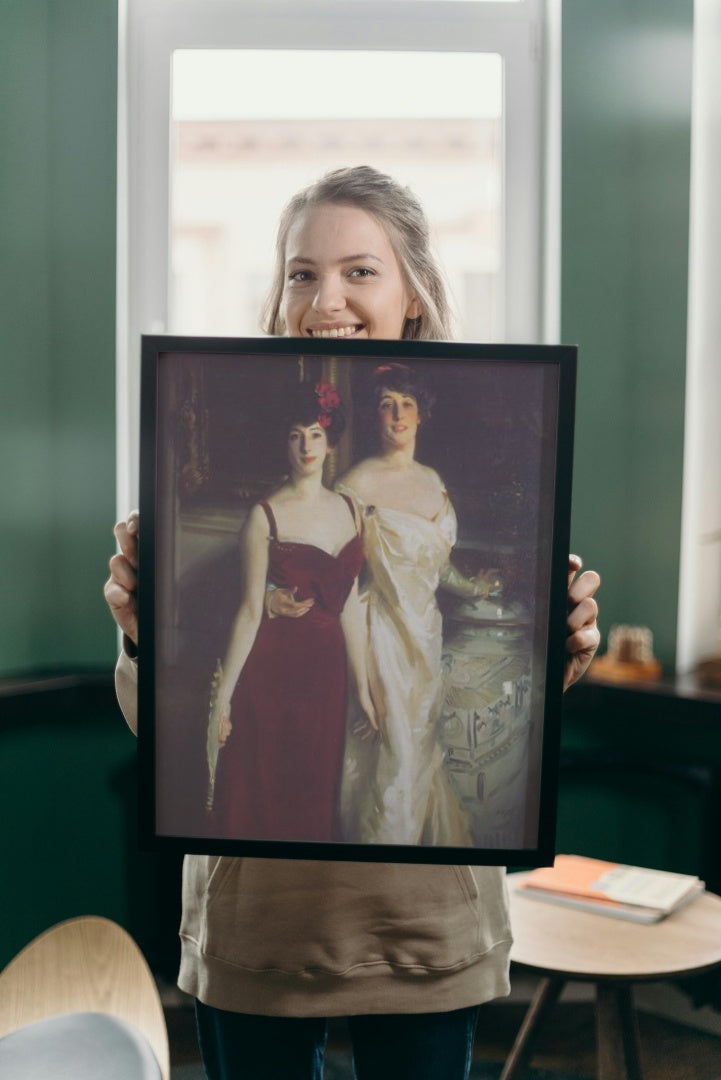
(278, 775)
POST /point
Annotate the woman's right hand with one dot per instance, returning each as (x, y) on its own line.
(487, 583)
(369, 723)
(282, 602)
(122, 586)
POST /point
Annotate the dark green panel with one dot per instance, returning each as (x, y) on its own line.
(58, 76)
(641, 777)
(634, 819)
(68, 789)
(82, 272)
(26, 489)
(626, 146)
(67, 784)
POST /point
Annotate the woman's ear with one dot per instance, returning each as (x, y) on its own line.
(415, 309)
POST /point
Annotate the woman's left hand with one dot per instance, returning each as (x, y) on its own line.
(368, 724)
(582, 633)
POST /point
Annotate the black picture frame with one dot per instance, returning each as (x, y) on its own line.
(501, 439)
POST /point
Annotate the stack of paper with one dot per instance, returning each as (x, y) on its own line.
(624, 892)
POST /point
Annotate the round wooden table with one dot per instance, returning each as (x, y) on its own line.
(563, 944)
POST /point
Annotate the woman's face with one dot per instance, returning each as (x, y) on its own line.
(307, 448)
(342, 277)
(398, 417)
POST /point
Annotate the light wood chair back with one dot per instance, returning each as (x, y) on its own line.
(87, 964)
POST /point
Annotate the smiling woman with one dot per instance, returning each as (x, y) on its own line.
(353, 259)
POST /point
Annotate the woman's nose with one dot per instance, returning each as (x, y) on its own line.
(302, 444)
(396, 411)
(329, 295)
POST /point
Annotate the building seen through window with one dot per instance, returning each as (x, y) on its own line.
(233, 170)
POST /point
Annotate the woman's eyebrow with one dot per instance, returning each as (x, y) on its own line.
(303, 260)
(361, 257)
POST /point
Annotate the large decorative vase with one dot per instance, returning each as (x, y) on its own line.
(485, 722)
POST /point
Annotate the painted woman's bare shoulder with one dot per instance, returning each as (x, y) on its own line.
(360, 477)
(256, 523)
(431, 477)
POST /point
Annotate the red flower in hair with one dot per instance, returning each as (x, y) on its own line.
(328, 402)
(328, 396)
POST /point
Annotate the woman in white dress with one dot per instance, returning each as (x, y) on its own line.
(395, 789)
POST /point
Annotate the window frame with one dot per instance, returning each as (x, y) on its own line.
(526, 34)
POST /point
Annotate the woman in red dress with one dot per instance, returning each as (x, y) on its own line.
(280, 706)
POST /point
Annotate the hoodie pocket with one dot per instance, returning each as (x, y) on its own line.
(297, 916)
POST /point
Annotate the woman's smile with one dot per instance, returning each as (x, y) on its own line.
(334, 331)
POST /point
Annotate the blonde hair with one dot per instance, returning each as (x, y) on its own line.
(403, 217)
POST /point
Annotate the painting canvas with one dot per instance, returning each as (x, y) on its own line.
(458, 610)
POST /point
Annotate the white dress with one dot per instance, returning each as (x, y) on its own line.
(396, 791)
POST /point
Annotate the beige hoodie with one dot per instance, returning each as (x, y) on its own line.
(284, 937)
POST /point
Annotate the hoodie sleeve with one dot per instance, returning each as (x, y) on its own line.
(126, 688)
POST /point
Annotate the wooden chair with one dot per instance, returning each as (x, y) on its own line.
(77, 976)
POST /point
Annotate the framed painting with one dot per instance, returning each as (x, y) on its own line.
(352, 597)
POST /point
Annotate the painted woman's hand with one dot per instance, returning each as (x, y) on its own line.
(282, 603)
(369, 724)
(224, 727)
(487, 583)
(582, 633)
(121, 587)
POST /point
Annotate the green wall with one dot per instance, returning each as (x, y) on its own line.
(626, 137)
(67, 762)
(626, 146)
(58, 73)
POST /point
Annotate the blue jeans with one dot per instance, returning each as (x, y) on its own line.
(413, 1046)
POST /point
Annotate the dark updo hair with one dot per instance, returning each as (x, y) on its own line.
(404, 380)
(315, 403)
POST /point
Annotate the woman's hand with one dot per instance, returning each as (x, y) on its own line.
(224, 726)
(487, 583)
(121, 587)
(369, 725)
(582, 633)
(282, 602)
(366, 726)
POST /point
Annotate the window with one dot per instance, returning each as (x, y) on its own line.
(227, 107)
(235, 161)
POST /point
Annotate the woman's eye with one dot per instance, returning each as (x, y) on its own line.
(300, 276)
(362, 272)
